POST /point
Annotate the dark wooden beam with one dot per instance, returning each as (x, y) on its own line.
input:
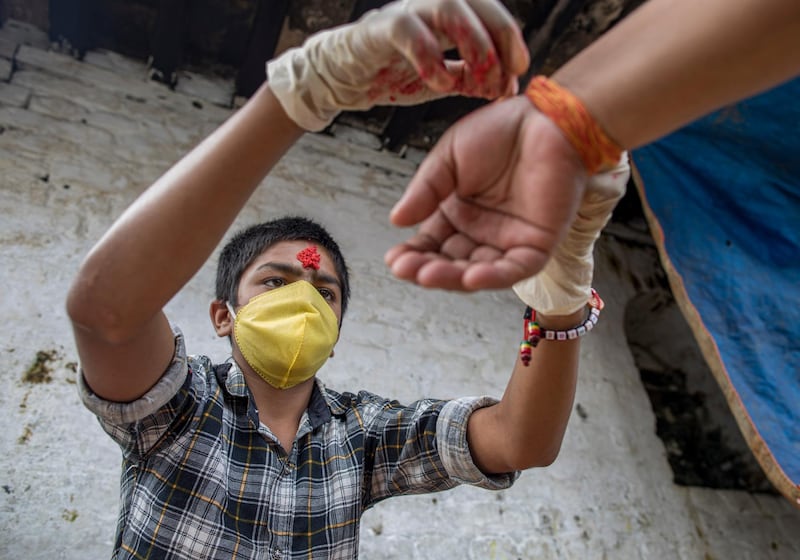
(71, 23)
(401, 125)
(167, 42)
(264, 36)
(360, 7)
(544, 26)
(537, 17)
(630, 6)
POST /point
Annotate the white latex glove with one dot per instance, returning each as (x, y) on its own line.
(564, 285)
(394, 56)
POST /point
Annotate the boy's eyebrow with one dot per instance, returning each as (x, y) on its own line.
(298, 271)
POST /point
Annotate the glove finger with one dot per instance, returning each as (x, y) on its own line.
(465, 29)
(420, 35)
(505, 35)
(454, 25)
(467, 84)
(411, 36)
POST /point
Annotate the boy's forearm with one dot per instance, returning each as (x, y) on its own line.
(672, 61)
(166, 235)
(526, 427)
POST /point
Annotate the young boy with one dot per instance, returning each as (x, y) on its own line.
(254, 457)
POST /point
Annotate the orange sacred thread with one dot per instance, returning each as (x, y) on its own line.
(595, 148)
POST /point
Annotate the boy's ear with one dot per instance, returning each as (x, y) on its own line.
(221, 318)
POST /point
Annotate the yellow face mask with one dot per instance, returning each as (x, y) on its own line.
(286, 334)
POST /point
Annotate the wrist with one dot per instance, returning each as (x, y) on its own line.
(534, 332)
(597, 150)
(561, 322)
(602, 102)
(296, 86)
(561, 289)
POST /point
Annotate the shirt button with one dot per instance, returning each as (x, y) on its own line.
(276, 554)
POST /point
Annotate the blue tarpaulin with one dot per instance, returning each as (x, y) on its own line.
(722, 196)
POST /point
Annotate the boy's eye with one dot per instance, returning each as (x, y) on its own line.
(274, 282)
(327, 294)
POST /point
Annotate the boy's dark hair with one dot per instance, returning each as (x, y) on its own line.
(247, 244)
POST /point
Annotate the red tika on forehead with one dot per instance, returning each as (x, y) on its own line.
(309, 257)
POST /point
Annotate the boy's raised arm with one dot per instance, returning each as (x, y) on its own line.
(390, 56)
(151, 251)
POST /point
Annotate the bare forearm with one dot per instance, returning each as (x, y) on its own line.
(672, 61)
(168, 233)
(526, 427)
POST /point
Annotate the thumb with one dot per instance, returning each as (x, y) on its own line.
(432, 183)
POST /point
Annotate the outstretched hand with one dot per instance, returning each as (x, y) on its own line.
(493, 199)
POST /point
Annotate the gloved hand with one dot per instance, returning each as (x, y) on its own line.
(394, 56)
(564, 285)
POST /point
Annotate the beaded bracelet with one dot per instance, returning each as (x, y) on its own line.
(532, 333)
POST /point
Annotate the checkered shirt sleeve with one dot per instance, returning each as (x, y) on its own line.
(421, 448)
(139, 425)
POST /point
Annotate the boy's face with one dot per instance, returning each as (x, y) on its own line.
(287, 262)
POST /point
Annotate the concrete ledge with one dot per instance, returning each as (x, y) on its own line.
(13, 95)
(209, 88)
(134, 87)
(7, 47)
(6, 69)
(20, 33)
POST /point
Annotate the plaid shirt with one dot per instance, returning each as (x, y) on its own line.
(203, 478)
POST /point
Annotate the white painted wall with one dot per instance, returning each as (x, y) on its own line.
(80, 140)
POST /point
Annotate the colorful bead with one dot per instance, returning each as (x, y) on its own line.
(525, 352)
(532, 332)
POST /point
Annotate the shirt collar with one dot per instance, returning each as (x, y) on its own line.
(322, 405)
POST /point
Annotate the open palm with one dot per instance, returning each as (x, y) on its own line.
(493, 198)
